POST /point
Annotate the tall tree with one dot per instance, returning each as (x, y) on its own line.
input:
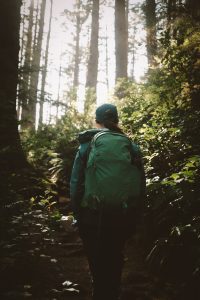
(11, 154)
(107, 61)
(44, 71)
(150, 13)
(77, 41)
(171, 8)
(91, 81)
(36, 68)
(22, 34)
(121, 38)
(136, 18)
(77, 17)
(133, 51)
(193, 7)
(21, 57)
(59, 82)
(24, 83)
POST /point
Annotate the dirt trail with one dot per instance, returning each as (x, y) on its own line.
(38, 262)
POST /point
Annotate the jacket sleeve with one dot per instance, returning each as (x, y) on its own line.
(77, 178)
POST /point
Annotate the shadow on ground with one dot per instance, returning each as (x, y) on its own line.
(43, 262)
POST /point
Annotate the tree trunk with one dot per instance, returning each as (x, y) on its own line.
(36, 68)
(44, 71)
(171, 7)
(58, 95)
(107, 62)
(25, 82)
(133, 52)
(121, 39)
(77, 50)
(193, 7)
(21, 59)
(150, 12)
(11, 154)
(23, 17)
(91, 81)
(127, 14)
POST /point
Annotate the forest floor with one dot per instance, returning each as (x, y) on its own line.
(40, 261)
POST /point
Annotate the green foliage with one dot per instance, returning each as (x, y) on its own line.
(48, 206)
(181, 60)
(46, 201)
(51, 148)
(163, 117)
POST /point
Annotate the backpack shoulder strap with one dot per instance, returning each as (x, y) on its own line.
(97, 135)
(103, 132)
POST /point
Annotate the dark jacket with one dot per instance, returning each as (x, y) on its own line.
(80, 162)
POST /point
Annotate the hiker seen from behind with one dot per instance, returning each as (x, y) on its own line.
(107, 192)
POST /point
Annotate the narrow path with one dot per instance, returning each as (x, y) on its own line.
(43, 262)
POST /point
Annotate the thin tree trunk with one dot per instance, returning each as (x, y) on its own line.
(36, 29)
(21, 55)
(24, 86)
(107, 62)
(133, 54)
(36, 68)
(49, 111)
(169, 11)
(44, 71)
(150, 12)
(127, 13)
(11, 154)
(92, 72)
(22, 35)
(121, 39)
(77, 51)
(58, 95)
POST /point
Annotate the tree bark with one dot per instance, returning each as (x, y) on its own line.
(25, 81)
(121, 39)
(21, 60)
(58, 95)
(23, 17)
(171, 4)
(133, 52)
(193, 6)
(150, 12)
(44, 71)
(107, 62)
(11, 154)
(92, 72)
(36, 69)
(77, 49)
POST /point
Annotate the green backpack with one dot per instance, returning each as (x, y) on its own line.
(112, 180)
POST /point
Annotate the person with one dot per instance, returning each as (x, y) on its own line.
(104, 228)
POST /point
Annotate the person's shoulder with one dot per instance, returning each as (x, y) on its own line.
(84, 139)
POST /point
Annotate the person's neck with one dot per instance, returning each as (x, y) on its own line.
(100, 126)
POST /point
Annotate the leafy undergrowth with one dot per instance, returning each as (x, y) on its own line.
(41, 258)
(40, 262)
